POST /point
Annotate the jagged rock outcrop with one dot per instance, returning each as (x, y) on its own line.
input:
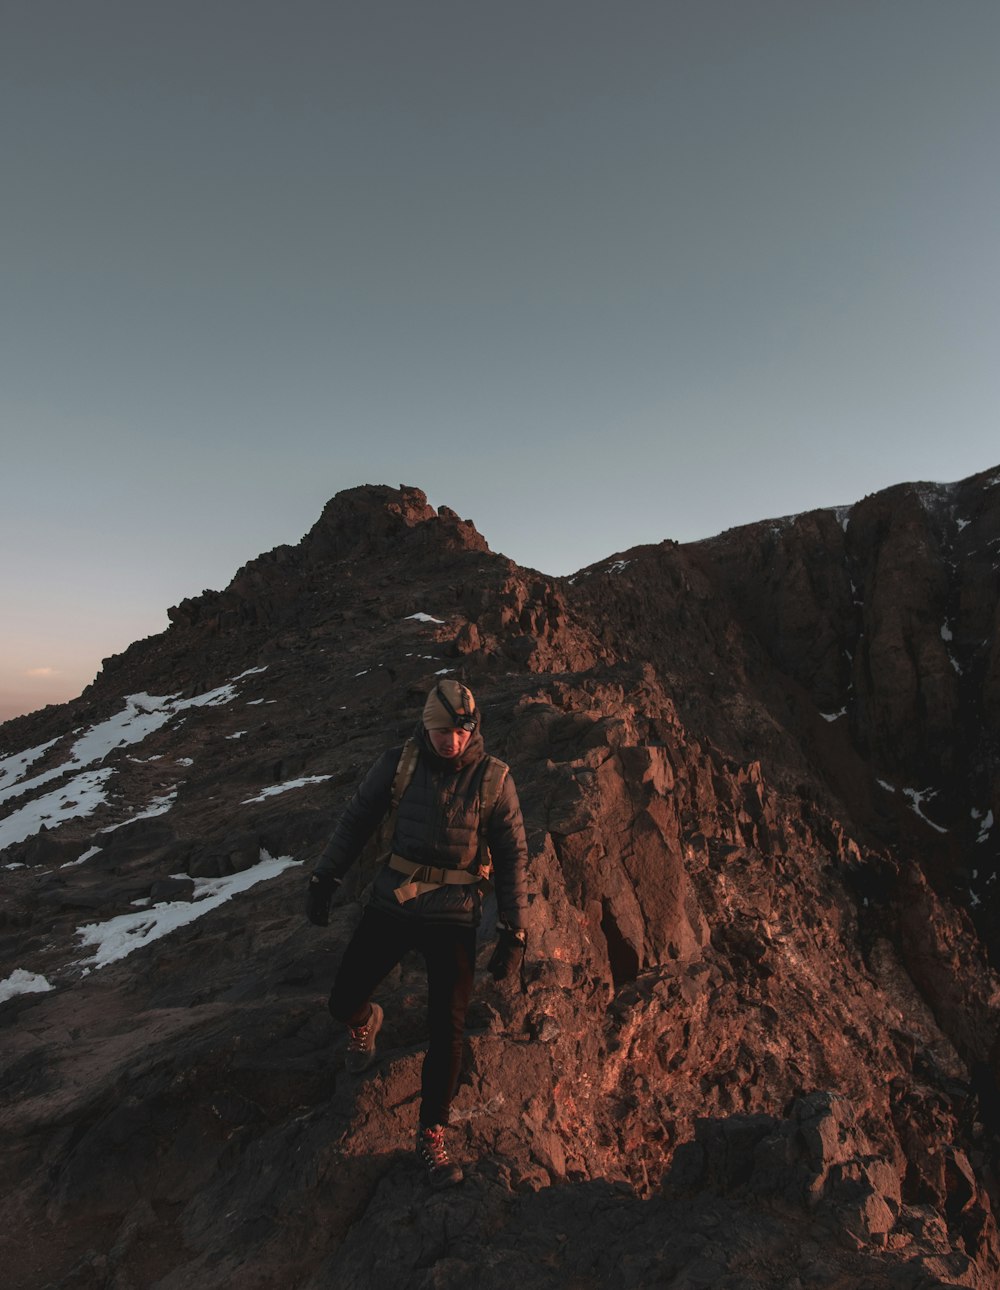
(852, 650)
(755, 1040)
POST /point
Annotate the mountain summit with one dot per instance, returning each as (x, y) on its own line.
(755, 1045)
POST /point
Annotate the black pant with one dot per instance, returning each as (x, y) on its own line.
(449, 952)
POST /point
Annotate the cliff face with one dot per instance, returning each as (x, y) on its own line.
(753, 1045)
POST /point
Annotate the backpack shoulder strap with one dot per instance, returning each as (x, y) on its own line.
(490, 788)
(405, 767)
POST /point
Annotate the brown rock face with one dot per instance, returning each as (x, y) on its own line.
(755, 1040)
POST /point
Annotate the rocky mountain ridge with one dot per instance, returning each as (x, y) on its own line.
(754, 1044)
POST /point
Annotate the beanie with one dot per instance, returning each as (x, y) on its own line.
(448, 694)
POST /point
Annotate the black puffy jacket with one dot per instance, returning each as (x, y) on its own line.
(437, 824)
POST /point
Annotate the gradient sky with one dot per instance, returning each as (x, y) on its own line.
(592, 274)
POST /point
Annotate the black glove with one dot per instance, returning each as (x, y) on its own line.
(506, 959)
(318, 897)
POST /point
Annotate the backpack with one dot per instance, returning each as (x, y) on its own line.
(490, 787)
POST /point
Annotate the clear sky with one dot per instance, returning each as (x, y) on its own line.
(592, 274)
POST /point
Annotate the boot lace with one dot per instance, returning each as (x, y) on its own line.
(358, 1042)
(432, 1146)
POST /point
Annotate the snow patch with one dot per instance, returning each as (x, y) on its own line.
(935, 495)
(423, 618)
(834, 716)
(81, 796)
(87, 855)
(142, 715)
(275, 789)
(158, 806)
(126, 933)
(22, 982)
(19, 789)
(916, 802)
(13, 767)
(985, 828)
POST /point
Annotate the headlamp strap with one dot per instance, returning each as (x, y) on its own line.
(465, 721)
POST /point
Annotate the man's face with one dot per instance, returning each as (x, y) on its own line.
(450, 742)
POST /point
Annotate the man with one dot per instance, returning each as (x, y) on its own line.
(451, 802)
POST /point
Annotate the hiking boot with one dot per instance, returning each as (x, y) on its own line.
(361, 1044)
(433, 1155)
